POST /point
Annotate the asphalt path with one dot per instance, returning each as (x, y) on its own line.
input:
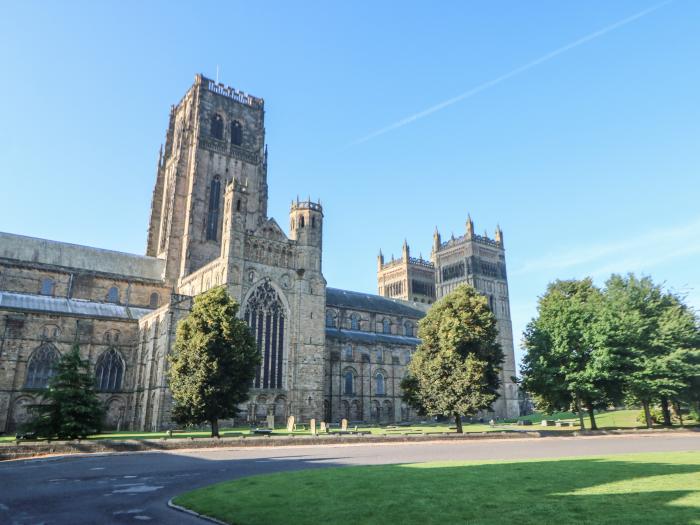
(135, 487)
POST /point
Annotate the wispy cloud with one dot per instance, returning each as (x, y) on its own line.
(517, 71)
(631, 254)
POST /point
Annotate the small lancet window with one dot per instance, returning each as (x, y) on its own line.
(236, 133)
(330, 319)
(213, 212)
(386, 326)
(380, 390)
(154, 300)
(349, 380)
(113, 295)
(217, 126)
(47, 286)
(302, 221)
(354, 322)
(313, 222)
(408, 329)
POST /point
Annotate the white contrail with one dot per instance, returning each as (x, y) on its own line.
(506, 76)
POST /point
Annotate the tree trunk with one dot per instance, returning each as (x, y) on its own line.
(647, 414)
(580, 414)
(458, 423)
(589, 407)
(677, 409)
(666, 412)
(215, 428)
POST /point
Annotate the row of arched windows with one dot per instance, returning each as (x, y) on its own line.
(47, 286)
(217, 129)
(350, 376)
(332, 322)
(109, 369)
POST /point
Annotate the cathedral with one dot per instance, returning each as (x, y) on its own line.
(326, 353)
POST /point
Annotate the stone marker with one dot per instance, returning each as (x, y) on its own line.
(312, 426)
(290, 424)
(343, 424)
(271, 422)
(324, 427)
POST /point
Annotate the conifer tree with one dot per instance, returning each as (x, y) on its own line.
(70, 407)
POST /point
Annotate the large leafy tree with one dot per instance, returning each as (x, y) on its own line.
(654, 339)
(70, 407)
(455, 370)
(564, 366)
(213, 363)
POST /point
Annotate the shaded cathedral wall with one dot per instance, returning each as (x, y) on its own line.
(156, 339)
(364, 361)
(23, 333)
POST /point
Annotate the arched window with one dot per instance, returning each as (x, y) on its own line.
(386, 326)
(347, 353)
(109, 371)
(47, 286)
(408, 329)
(213, 212)
(41, 367)
(354, 322)
(379, 384)
(349, 380)
(113, 295)
(302, 221)
(238, 205)
(313, 222)
(154, 300)
(217, 126)
(236, 133)
(380, 356)
(330, 319)
(265, 315)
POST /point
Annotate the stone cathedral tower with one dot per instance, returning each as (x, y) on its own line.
(209, 223)
(473, 259)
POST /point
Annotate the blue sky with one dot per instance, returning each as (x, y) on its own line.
(582, 142)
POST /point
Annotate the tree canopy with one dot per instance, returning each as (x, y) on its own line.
(629, 341)
(456, 368)
(213, 363)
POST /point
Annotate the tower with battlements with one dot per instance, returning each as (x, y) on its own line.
(474, 259)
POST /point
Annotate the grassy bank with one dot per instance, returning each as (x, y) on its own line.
(649, 488)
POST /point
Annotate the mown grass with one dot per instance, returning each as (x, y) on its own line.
(645, 488)
(606, 420)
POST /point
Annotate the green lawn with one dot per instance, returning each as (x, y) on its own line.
(610, 419)
(643, 488)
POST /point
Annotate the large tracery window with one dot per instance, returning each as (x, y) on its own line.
(42, 366)
(265, 315)
(109, 371)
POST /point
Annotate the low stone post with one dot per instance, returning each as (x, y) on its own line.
(343, 424)
(312, 426)
(290, 424)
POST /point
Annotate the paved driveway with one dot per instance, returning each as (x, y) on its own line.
(134, 487)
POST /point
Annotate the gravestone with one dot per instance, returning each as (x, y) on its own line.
(271, 422)
(290, 424)
(324, 427)
(312, 427)
(343, 424)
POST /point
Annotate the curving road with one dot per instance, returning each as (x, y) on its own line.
(135, 487)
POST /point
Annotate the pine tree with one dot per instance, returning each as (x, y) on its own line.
(214, 361)
(71, 408)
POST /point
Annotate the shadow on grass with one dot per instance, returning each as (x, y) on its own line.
(647, 489)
